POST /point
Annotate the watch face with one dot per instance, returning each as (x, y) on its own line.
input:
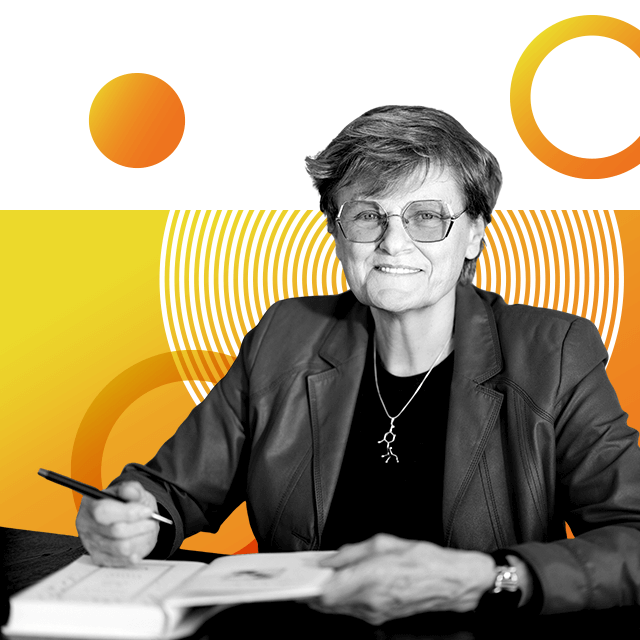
(506, 579)
(505, 594)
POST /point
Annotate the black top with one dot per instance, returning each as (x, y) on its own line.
(377, 493)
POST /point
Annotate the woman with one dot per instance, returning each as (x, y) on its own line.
(415, 422)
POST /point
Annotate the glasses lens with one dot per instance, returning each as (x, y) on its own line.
(363, 221)
(427, 220)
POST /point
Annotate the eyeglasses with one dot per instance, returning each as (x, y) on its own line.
(423, 220)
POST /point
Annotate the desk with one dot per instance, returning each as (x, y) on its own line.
(29, 556)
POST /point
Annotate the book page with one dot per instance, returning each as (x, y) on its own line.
(255, 578)
(82, 581)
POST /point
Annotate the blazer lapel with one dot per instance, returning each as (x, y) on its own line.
(473, 409)
(332, 399)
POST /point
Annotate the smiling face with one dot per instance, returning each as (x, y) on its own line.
(396, 274)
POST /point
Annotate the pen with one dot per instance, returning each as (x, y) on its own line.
(88, 490)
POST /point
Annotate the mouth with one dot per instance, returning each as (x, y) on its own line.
(397, 271)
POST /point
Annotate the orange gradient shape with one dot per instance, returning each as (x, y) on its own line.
(522, 112)
(109, 404)
(88, 450)
(136, 120)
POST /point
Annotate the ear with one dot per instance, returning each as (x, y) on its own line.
(331, 225)
(338, 239)
(477, 227)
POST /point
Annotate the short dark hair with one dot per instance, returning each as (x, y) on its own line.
(385, 145)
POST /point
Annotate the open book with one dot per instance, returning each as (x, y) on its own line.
(158, 598)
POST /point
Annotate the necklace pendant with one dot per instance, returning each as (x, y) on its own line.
(388, 439)
(389, 454)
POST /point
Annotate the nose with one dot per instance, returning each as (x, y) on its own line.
(396, 239)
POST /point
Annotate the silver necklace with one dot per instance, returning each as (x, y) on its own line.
(389, 437)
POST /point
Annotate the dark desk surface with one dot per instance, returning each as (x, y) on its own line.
(29, 556)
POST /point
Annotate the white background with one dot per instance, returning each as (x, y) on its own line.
(265, 83)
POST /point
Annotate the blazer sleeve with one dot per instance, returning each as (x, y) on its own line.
(199, 475)
(598, 481)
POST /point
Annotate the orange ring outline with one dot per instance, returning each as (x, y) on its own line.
(522, 112)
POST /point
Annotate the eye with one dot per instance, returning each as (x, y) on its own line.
(370, 215)
(425, 216)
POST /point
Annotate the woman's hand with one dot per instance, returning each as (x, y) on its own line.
(387, 577)
(118, 534)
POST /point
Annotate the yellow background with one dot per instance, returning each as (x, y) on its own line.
(81, 304)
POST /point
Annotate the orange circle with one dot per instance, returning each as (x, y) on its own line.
(522, 113)
(136, 120)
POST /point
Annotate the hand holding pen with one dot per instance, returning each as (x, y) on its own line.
(119, 531)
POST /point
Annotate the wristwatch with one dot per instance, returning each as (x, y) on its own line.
(506, 593)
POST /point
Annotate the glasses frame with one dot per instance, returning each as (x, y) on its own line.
(451, 218)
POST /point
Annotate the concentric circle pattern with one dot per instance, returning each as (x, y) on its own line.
(220, 271)
(565, 260)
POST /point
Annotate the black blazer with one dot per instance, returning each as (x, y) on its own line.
(535, 436)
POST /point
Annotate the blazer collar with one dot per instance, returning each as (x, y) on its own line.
(478, 355)
(349, 336)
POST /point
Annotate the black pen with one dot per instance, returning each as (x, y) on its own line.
(88, 490)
